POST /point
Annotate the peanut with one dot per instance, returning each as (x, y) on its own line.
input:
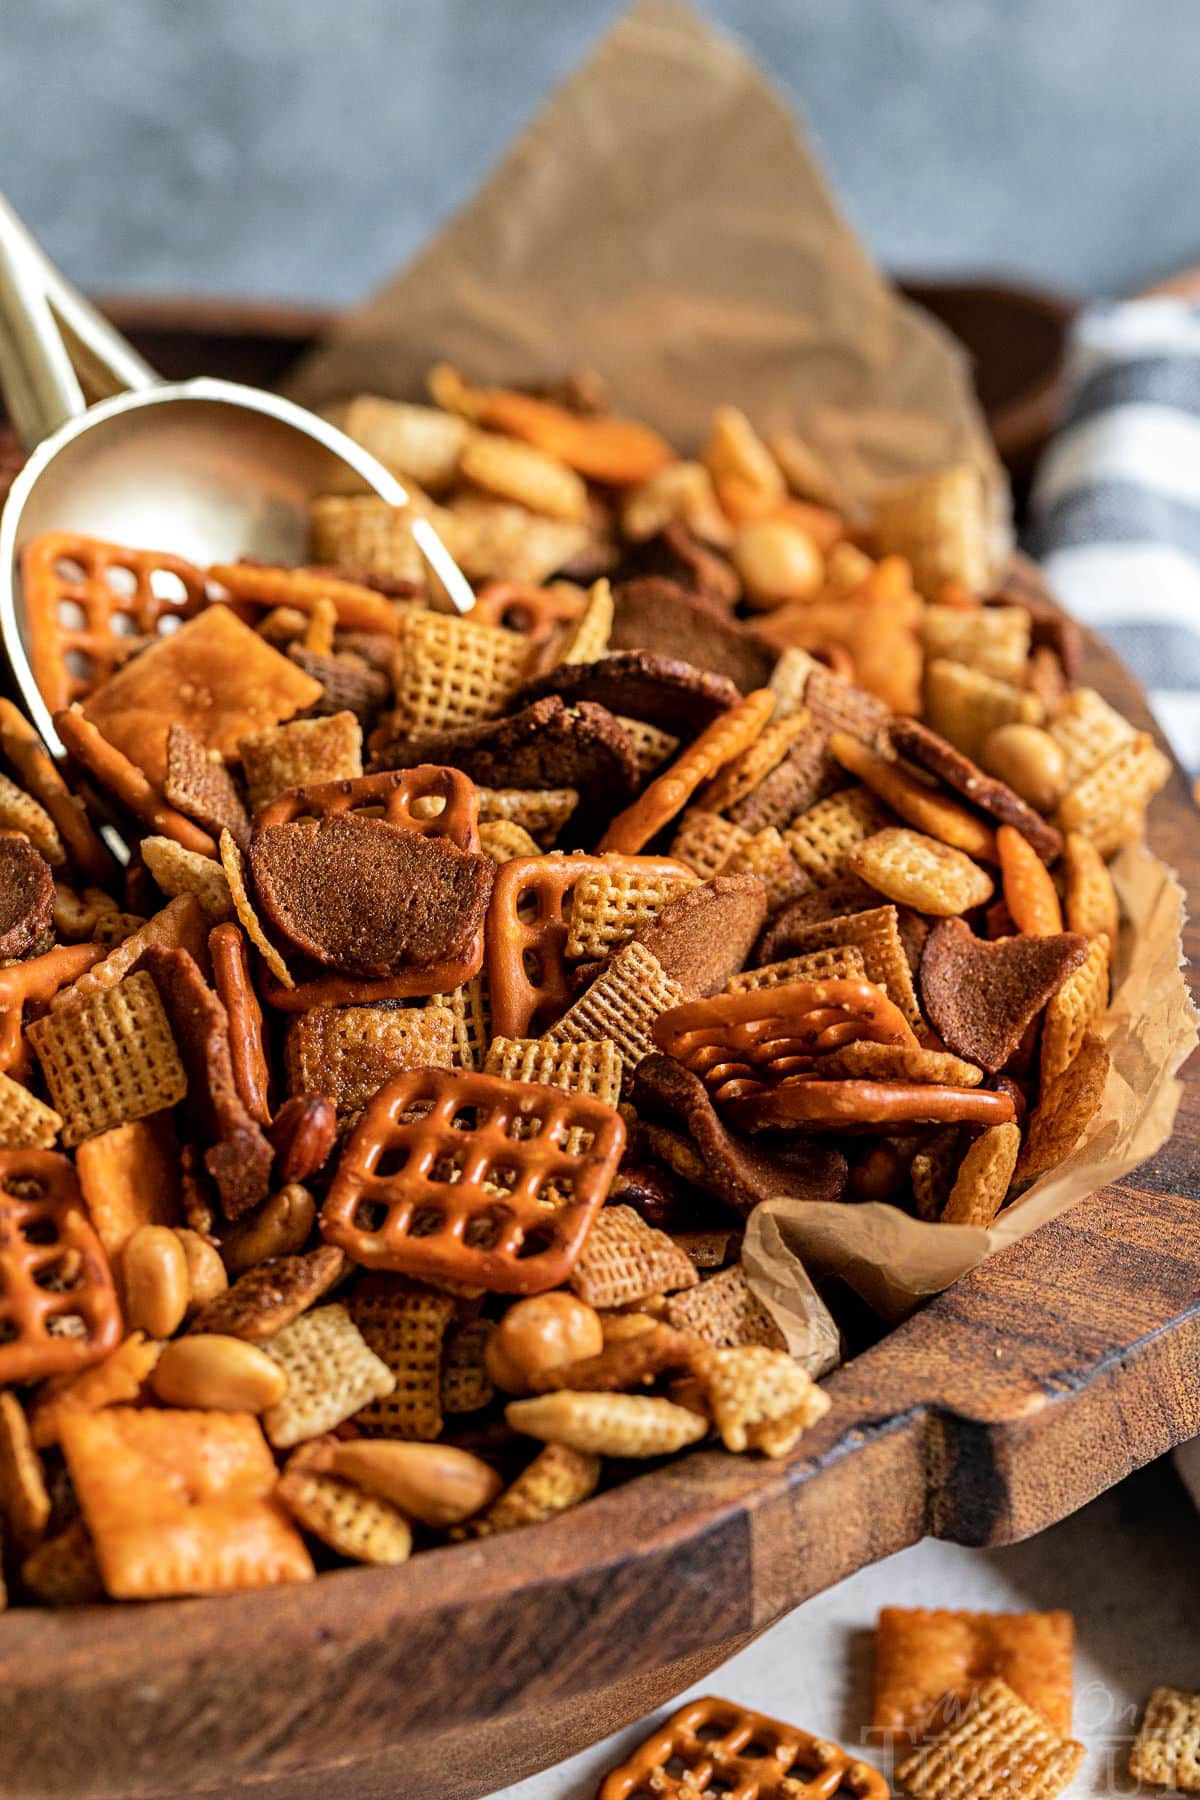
(539, 1333)
(155, 1273)
(777, 562)
(433, 1483)
(1030, 761)
(222, 1374)
(280, 1227)
(206, 1271)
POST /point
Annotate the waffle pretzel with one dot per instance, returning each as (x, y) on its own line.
(436, 801)
(58, 1305)
(745, 1043)
(478, 1196)
(809, 1105)
(715, 1746)
(90, 605)
(718, 744)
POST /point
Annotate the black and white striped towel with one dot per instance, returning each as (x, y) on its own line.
(1116, 507)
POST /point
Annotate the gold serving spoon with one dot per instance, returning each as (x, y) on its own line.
(210, 470)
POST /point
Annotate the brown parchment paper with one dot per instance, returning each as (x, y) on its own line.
(663, 221)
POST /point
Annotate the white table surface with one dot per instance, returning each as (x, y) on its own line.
(1126, 1566)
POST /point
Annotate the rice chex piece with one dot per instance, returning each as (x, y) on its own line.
(841, 962)
(468, 1008)
(234, 865)
(939, 523)
(624, 1260)
(332, 1375)
(451, 671)
(25, 1121)
(759, 1398)
(993, 639)
(600, 1424)
(964, 705)
(502, 840)
(1108, 803)
(1166, 1750)
(914, 870)
(1077, 1008)
(406, 1329)
(466, 1384)
(1088, 731)
(622, 1004)
(822, 839)
(360, 531)
(1092, 907)
(982, 1182)
(177, 870)
(1001, 1750)
(768, 857)
(557, 1479)
(302, 753)
(789, 679)
(726, 1312)
(108, 1058)
(359, 1526)
(706, 841)
(652, 746)
(608, 905)
(348, 1053)
(542, 812)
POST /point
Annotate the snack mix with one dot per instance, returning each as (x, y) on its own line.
(375, 1147)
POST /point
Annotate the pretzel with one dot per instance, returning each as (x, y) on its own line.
(868, 1106)
(703, 1748)
(36, 982)
(58, 1305)
(536, 612)
(527, 979)
(38, 774)
(89, 606)
(745, 1043)
(435, 801)
(718, 744)
(126, 782)
(516, 1218)
(358, 608)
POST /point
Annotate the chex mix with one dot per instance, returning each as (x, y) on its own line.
(376, 1147)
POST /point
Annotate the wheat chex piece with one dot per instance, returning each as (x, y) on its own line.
(875, 933)
(1107, 804)
(1001, 1750)
(557, 1479)
(358, 1526)
(624, 1259)
(991, 639)
(964, 705)
(199, 785)
(590, 1066)
(25, 1121)
(406, 1329)
(1092, 907)
(109, 1058)
(497, 540)
(706, 841)
(347, 1053)
(332, 1375)
(609, 904)
(24, 1500)
(929, 1661)
(19, 811)
(541, 811)
(234, 865)
(451, 671)
(622, 1004)
(939, 524)
(652, 746)
(840, 962)
(1067, 1105)
(63, 1570)
(1166, 1750)
(726, 1312)
(601, 1424)
(1077, 1008)
(466, 1384)
(180, 1502)
(984, 1176)
(822, 839)
(468, 1008)
(1088, 731)
(178, 871)
(360, 531)
(932, 1172)
(767, 856)
(911, 869)
(302, 753)
(758, 1398)
(501, 839)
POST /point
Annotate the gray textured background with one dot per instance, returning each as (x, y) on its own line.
(302, 149)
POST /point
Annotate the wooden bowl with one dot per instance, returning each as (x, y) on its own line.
(1039, 1379)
